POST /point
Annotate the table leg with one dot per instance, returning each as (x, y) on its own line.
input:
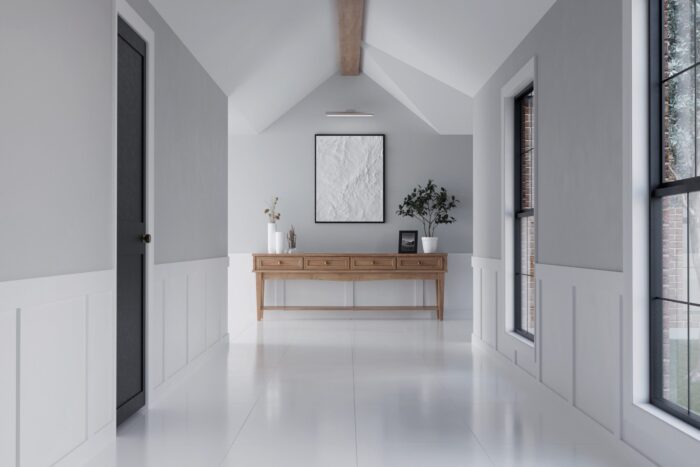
(440, 296)
(260, 294)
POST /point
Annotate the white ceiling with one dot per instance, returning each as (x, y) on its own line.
(433, 56)
(458, 42)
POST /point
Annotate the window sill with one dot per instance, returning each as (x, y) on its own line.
(669, 419)
(522, 339)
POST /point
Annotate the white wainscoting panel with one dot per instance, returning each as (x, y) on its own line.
(100, 361)
(8, 386)
(579, 341)
(241, 293)
(477, 321)
(196, 315)
(216, 301)
(490, 313)
(556, 309)
(190, 308)
(458, 295)
(490, 278)
(174, 323)
(581, 312)
(57, 353)
(288, 293)
(458, 288)
(56, 366)
(53, 380)
(598, 345)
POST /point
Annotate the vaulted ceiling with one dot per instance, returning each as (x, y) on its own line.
(432, 56)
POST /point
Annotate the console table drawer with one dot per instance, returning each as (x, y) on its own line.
(277, 263)
(420, 263)
(327, 263)
(373, 262)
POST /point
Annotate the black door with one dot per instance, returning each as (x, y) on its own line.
(131, 226)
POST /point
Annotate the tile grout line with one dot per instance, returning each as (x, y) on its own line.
(245, 421)
(240, 429)
(478, 441)
(452, 401)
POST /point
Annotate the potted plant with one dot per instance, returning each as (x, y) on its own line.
(272, 217)
(432, 207)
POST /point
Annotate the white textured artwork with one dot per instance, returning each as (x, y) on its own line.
(349, 178)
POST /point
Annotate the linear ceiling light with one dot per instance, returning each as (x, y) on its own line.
(349, 113)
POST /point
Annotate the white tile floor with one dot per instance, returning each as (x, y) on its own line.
(361, 393)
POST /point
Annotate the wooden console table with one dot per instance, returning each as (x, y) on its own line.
(350, 267)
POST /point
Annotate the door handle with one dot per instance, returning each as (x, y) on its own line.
(146, 238)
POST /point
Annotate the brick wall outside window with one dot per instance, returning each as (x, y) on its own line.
(526, 225)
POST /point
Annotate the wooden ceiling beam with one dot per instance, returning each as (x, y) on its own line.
(350, 21)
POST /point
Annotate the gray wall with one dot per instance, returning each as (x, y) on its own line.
(191, 151)
(56, 142)
(578, 46)
(280, 162)
(55, 137)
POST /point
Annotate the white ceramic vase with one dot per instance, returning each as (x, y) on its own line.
(271, 230)
(430, 244)
(279, 242)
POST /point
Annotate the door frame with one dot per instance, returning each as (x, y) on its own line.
(121, 9)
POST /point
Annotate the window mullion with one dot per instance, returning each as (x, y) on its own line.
(695, 172)
(695, 97)
(687, 294)
(676, 187)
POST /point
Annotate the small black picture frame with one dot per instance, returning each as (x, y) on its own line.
(408, 241)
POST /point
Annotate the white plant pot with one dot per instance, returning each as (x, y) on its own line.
(271, 230)
(430, 244)
(279, 242)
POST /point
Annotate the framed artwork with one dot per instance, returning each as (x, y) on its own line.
(349, 179)
(408, 241)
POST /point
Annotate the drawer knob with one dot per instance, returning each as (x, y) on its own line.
(372, 263)
(325, 263)
(419, 263)
(279, 263)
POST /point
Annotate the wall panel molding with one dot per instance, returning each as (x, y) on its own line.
(59, 332)
(491, 315)
(579, 340)
(581, 311)
(8, 386)
(57, 341)
(188, 320)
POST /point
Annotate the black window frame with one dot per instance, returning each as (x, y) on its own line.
(658, 190)
(519, 212)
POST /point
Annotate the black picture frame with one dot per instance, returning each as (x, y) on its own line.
(405, 246)
(383, 136)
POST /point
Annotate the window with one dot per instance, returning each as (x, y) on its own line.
(524, 235)
(674, 209)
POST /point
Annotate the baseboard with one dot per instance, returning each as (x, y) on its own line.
(90, 448)
(186, 372)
